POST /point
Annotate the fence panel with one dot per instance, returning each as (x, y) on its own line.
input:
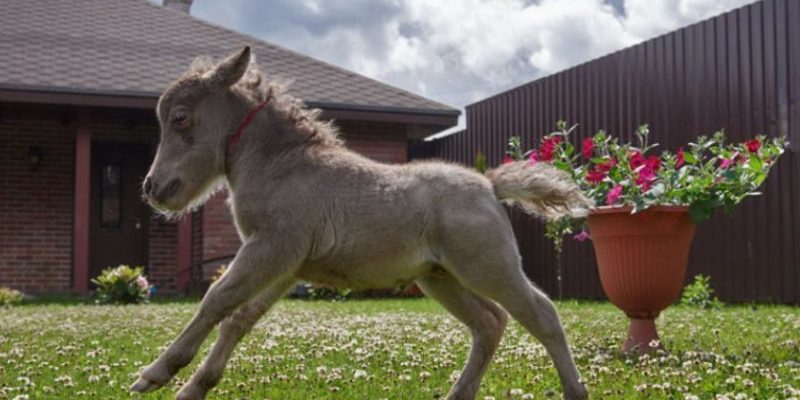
(739, 71)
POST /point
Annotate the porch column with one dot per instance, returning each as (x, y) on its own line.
(80, 221)
(184, 251)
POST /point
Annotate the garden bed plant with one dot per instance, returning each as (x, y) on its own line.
(122, 285)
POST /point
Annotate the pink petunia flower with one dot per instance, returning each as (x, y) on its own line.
(587, 148)
(653, 163)
(581, 236)
(753, 145)
(594, 176)
(681, 159)
(606, 166)
(548, 148)
(645, 178)
(533, 158)
(613, 195)
(637, 160)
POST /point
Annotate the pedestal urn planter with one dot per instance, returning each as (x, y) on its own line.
(642, 263)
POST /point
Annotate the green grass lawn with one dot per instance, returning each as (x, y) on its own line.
(398, 349)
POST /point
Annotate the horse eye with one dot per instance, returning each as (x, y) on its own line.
(181, 120)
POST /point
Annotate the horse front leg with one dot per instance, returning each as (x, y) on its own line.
(257, 264)
(231, 331)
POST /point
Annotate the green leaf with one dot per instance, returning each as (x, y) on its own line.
(755, 163)
(702, 210)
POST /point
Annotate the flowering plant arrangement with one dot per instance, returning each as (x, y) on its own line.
(123, 285)
(705, 175)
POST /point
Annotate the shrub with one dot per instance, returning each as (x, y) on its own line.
(122, 285)
(9, 297)
(323, 292)
(700, 294)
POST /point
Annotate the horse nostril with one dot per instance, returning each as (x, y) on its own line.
(148, 186)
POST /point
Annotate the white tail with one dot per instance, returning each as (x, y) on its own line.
(539, 189)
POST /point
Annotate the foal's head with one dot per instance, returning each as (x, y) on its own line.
(197, 113)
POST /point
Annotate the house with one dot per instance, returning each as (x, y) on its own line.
(79, 81)
(739, 71)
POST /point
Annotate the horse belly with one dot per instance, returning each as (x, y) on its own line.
(366, 272)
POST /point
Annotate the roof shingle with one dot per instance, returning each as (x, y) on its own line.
(134, 47)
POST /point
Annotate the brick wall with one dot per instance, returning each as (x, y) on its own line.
(36, 206)
(162, 267)
(219, 235)
(379, 141)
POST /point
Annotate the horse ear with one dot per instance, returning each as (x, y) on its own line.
(230, 70)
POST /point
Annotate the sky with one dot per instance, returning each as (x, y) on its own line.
(457, 51)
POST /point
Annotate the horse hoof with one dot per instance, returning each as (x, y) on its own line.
(578, 393)
(191, 393)
(143, 385)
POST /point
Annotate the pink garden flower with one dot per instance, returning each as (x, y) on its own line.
(637, 160)
(595, 176)
(753, 145)
(645, 178)
(507, 160)
(548, 147)
(606, 166)
(581, 236)
(681, 160)
(533, 158)
(654, 163)
(587, 148)
(614, 195)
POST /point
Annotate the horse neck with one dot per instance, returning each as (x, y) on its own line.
(266, 144)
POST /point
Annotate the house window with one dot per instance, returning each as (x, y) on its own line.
(110, 197)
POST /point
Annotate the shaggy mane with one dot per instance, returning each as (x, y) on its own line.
(256, 86)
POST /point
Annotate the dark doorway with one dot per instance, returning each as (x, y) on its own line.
(119, 218)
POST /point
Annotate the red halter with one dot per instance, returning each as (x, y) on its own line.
(248, 119)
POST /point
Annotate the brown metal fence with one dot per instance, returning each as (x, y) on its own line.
(739, 71)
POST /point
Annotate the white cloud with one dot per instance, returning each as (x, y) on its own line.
(457, 51)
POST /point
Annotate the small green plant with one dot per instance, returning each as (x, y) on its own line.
(480, 162)
(122, 285)
(322, 292)
(9, 297)
(700, 294)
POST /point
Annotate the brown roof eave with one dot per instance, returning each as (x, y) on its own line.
(144, 100)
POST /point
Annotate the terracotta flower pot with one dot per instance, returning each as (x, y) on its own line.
(642, 262)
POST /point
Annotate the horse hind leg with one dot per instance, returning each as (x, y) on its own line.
(498, 275)
(485, 320)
